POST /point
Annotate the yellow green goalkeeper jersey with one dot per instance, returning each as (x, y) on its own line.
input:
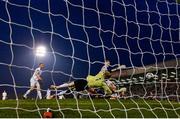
(99, 82)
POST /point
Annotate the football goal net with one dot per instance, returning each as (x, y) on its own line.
(69, 40)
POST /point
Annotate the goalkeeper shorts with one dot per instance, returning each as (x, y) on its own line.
(80, 85)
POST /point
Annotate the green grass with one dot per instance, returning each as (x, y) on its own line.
(102, 108)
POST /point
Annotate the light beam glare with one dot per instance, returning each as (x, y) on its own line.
(40, 51)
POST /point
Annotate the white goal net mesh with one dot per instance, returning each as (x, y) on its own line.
(140, 38)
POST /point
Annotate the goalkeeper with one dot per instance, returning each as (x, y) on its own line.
(91, 82)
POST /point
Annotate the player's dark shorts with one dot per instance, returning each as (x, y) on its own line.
(80, 85)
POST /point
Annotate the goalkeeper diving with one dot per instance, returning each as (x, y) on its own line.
(91, 82)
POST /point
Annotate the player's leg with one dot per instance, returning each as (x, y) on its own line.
(112, 87)
(38, 90)
(107, 90)
(65, 85)
(122, 92)
(32, 87)
(61, 93)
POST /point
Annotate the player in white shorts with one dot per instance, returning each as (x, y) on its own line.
(34, 82)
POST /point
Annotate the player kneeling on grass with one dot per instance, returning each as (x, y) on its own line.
(91, 82)
(35, 81)
(115, 92)
(119, 93)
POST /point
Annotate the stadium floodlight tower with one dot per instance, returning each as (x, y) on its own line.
(40, 51)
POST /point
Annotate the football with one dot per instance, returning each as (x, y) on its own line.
(149, 75)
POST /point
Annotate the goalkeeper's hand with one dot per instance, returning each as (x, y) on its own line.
(107, 74)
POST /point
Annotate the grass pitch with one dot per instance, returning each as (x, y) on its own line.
(85, 108)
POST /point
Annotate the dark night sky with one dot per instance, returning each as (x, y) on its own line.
(140, 33)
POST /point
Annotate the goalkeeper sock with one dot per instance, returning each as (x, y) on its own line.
(65, 85)
(62, 92)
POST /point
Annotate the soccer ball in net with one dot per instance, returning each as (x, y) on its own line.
(149, 75)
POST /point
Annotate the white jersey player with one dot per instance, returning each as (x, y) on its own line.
(34, 82)
(48, 94)
(4, 95)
